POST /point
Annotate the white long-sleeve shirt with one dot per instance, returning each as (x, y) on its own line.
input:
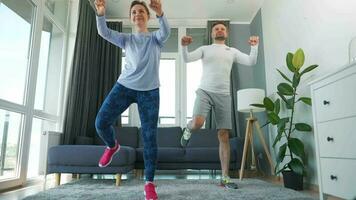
(217, 62)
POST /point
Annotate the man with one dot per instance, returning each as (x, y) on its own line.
(214, 90)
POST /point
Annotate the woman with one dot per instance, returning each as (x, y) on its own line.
(138, 83)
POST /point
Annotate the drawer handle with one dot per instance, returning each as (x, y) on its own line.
(330, 139)
(332, 177)
(326, 102)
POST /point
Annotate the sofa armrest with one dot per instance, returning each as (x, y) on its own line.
(83, 140)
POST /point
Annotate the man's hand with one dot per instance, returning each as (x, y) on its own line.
(156, 6)
(254, 40)
(186, 40)
(100, 7)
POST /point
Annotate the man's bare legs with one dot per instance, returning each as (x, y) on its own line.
(224, 150)
(196, 123)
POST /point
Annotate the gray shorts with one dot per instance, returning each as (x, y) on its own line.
(220, 105)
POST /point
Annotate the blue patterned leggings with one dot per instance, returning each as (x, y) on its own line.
(118, 100)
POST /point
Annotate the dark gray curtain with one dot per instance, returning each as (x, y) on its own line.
(95, 69)
(210, 120)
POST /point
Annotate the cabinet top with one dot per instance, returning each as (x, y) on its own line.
(344, 67)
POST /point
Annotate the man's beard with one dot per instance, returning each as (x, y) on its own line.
(220, 38)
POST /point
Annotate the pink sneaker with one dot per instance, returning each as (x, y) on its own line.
(150, 191)
(106, 158)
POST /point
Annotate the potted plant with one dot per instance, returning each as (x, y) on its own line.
(292, 169)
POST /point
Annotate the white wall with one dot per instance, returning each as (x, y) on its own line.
(323, 28)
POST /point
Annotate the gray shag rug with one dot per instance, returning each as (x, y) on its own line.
(178, 189)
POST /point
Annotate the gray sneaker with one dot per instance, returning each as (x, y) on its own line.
(185, 137)
(227, 183)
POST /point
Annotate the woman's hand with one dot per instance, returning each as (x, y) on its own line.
(156, 6)
(100, 7)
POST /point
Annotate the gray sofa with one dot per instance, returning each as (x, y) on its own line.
(202, 152)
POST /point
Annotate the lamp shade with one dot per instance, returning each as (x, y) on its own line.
(245, 97)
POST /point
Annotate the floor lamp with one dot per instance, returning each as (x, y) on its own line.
(245, 98)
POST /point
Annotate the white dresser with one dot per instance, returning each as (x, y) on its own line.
(334, 114)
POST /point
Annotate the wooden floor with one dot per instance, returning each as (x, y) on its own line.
(35, 186)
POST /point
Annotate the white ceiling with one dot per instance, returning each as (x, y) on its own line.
(234, 10)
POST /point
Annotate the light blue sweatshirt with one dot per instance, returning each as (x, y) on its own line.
(143, 52)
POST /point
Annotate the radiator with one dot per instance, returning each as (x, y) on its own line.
(48, 140)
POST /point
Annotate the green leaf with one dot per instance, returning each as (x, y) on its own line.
(308, 69)
(281, 153)
(289, 60)
(283, 97)
(285, 89)
(290, 103)
(282, 123)
(273, 118)
(284, 120)
(277, 106)
(296, 79)
(303, 127)
(284, 76)
(282, 169)
(298, 59)
(296, 146)
(281, 126)
(280, 158)
(268, 103)
(277, 138)
(305, 100)
(297, 166)
(258, 105)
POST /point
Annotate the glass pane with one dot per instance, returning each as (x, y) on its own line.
(167, 75)
(10, 129)
(15, 40)
(124, 120)
(125, 117)
(194, 73)
(125, 114)
(36, 162)
(59, 8)
(194, 69)
(49, 68)
(171, 44)
(199, 37)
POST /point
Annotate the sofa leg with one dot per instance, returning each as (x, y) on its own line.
(138, 173)
(57, 178)
(44, 182)
(118, 179)
(77, 176)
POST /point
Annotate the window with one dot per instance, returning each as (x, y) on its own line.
(49, 68)
(194, 73)
(37, 147)
(167, 113)
(31, 68)
(194, 69)
(59, 8)
(171, 45)
(15, 42)
(125, 115)
(10, 130)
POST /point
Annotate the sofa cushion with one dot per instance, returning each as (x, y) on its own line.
(126, 136)
(88, 155)
(205, 154)
(203, 138)
(166, 137)
(165, 154)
